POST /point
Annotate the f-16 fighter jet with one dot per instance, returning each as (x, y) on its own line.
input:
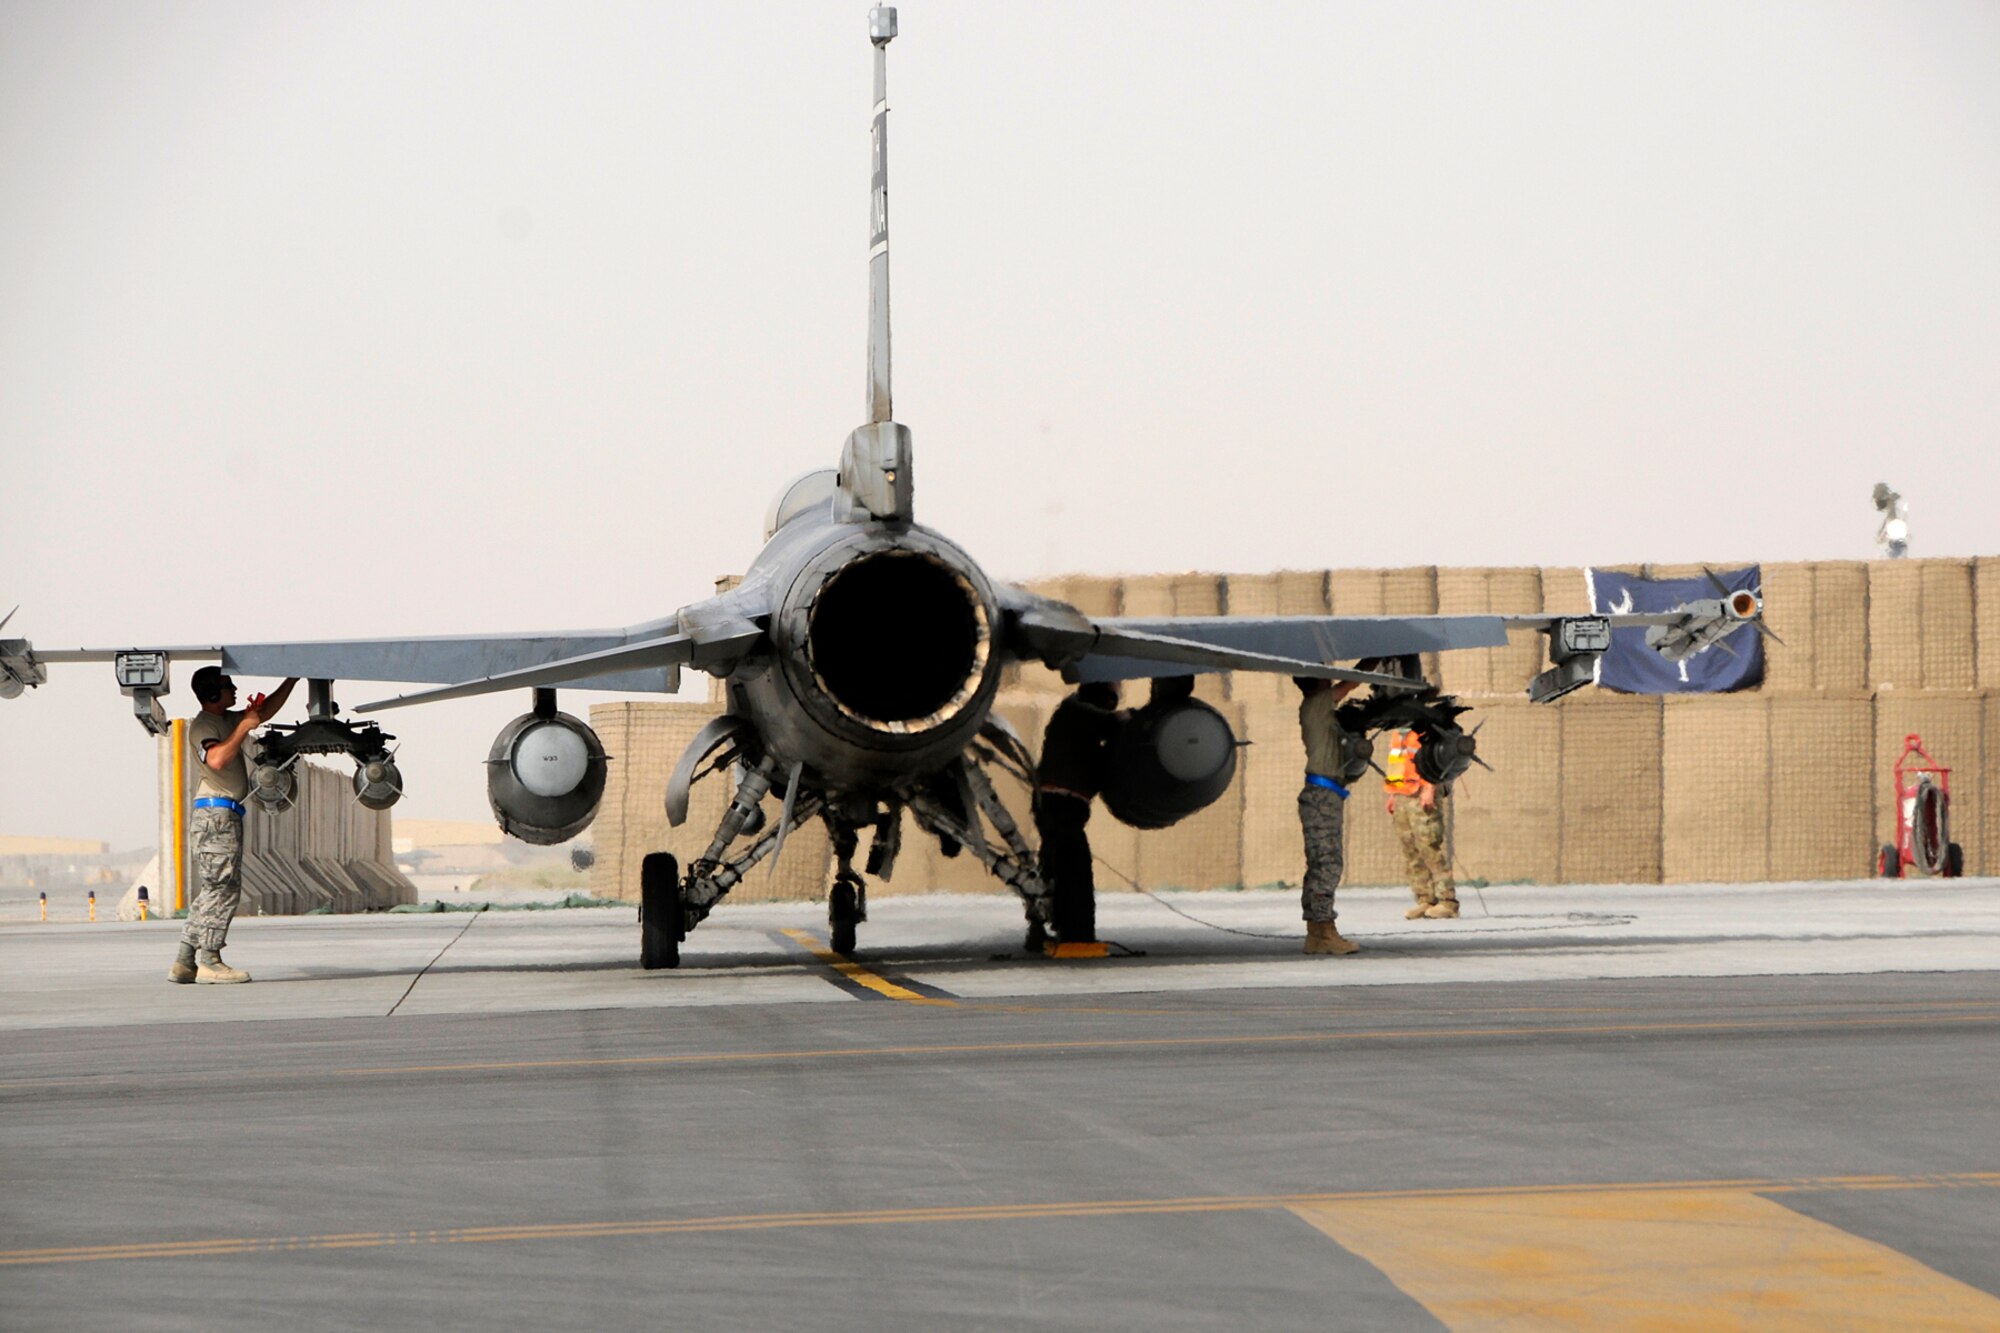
(862, 652)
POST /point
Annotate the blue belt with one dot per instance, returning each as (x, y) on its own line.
(224, 803)
(1315, 780)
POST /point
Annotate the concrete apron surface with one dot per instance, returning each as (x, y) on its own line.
(943, 948)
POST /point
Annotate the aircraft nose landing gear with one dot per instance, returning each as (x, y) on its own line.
(847, 901)
(846, 907)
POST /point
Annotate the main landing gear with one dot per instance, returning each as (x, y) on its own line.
(662, 924)
(957, 805)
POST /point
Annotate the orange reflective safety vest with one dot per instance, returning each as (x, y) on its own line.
(1400, 778)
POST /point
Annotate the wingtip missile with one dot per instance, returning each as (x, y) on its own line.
(20, 669)
(1705, 623)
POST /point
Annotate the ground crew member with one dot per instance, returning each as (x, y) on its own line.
(1419, 811)
(215, 829)
(1069, 776)
(1322, 802)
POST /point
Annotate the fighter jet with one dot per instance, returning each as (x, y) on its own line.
(862, 652)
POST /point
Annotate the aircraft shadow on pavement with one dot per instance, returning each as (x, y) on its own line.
(1151, 945)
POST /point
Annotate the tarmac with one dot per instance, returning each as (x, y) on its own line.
(1690, 1106)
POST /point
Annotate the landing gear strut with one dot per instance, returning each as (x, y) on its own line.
(847, 904)
(669, 906)
(957, 820)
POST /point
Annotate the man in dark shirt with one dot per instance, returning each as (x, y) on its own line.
(1069, 776)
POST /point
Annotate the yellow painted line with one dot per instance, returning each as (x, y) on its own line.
(1129, 1043)
(1442, 1242)
(1697, 1259)
(1806, 1007)
(860, 975)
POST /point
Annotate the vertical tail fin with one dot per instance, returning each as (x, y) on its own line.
(875, 483)
(881, 31)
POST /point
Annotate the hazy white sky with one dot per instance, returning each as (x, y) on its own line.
(325, 320)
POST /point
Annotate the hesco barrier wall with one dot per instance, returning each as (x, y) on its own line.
(1788, 781)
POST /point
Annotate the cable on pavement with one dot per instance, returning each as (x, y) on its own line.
(434, 961)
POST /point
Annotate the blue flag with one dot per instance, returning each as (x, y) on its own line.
(1632, 668)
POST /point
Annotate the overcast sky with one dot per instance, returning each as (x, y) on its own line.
(355, 319)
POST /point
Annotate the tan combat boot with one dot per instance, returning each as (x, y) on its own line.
(210, 970)
(182, 971)
(1420, 909)
(1325, 937)
(1444, 909)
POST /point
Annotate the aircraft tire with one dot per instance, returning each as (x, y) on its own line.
(1954, 861)
(843, 908)
(1887, 864)
(659, 911)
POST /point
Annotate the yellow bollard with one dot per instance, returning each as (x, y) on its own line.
(45, 906)
(143, 904)
(93, 904)
(179, 742)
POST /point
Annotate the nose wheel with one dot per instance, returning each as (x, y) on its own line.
(846, 907)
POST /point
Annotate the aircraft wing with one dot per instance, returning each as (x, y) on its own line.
(1128, 648)
(644, 658)
(1284, 640)
(454, 659)
(445, 659)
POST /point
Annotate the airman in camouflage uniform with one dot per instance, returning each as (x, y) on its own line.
(215, 829)
(1419, 811)
(1322, 802)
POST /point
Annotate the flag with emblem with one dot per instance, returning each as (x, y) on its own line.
(1735, 663)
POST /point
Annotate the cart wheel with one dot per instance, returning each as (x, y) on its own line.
(1887, 864)
(1930, 828)
(1954, 861)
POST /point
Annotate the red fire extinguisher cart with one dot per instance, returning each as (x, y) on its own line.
(1923, 818)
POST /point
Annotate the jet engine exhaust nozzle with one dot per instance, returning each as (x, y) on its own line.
(899, 640)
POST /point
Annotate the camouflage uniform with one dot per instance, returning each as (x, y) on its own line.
(1322, 809)
(1321, 814)
(1421, 832)
(215, 841)
(215, 833)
